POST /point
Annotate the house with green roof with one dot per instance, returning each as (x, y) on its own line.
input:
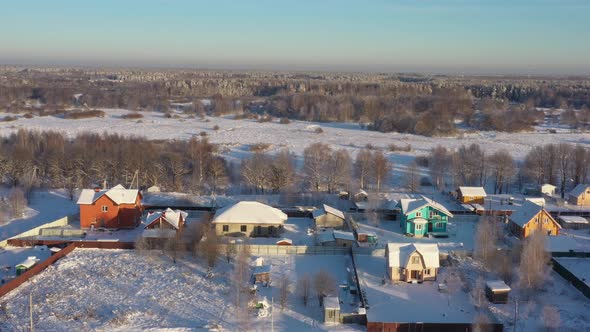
(422, 216)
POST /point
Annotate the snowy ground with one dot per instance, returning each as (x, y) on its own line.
(122, 290)
(44, 206)
(572, 305)
(238, 135)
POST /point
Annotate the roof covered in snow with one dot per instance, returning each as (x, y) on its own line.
(170, 216)
(29, 262)
(327, 209)
(331, 302)
(399, 253)
(497, 286)
(249, 212)
(573, 219)
(410, 205)
(344, 235)
(526, 212)
(579, 190)
(117, 194)
(472, 191)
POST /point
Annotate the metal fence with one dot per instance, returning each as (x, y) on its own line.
(286, 250)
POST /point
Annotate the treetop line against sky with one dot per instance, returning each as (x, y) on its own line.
(487, 36)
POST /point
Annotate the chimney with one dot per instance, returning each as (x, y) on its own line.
(96, 189)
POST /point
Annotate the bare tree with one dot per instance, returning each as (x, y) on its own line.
(485, 241)
(580, 161)
(339, 176)
(316, 165)
(413, 177)
(439, 163)
(478, 294)
(239, 287)
(17, 201)
(282, 171)
(230, 251)
(564, 159)
(503, 168)
(482, 323)
(470, 166)
(324, 285)
(192, 235)
(304, 287)
(256, 171)
(551, 318)
(210, 247)
(533, 269)
(284, 290)
(381, 169)
(362, 167)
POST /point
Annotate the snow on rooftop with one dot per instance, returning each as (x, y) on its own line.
(343, 235)
(249, 212)
(525, 213)
(172, 217)
(29, 262)
(410, 205)
(331, 302)
(497, 286)
(118, 194)
(579, 190)
(573, 219)
(333, 211)
(399, 253)
(472, 191)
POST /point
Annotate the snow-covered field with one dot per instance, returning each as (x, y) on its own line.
(122, 290)
(238, 135)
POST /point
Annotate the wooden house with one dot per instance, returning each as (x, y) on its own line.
(530, 217)
(412, 262)
(328, 217)
(471, 195)
(419, 217)
(114, 208)
(165, 223)
(344, 239)
(331, 309)
(249, 218)
(497, 291)
(580, 195)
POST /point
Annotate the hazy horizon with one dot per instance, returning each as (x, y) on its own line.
(520, 37)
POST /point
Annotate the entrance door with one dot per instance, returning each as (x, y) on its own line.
(429, 227)
(414, 274)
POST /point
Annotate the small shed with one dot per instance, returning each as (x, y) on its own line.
(26, 265)
(548, 189)
(284, 242)
(153, 189)
(573, 222)
(331, 310)
(328, 216)
(261, 274)
(497, 291)
(344, 239)
(369, 237)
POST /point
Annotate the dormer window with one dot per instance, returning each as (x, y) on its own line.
(418, 214)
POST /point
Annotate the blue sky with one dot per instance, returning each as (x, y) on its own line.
(488, 36)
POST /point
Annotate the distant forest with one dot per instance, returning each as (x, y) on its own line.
(419, 104)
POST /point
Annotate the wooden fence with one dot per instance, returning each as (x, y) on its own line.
(286, 250)
(64, 221)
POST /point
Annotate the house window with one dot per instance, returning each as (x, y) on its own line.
(418, 214)
(243, 228)
(226, 228)
(418, 227)
(105, 208)
(415, 260)
(546, 220)
(431, 214)
(439, 225)
(427, 271)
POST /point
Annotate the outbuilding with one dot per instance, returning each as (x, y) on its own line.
(471, 195)
(261, 274)
(331, 310)
(328, 216)
(573, 222)
(497, 291)
(26, 265)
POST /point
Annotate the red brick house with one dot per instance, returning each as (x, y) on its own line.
(114, 208)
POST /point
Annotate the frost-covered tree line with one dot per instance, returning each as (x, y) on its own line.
(563, 165)
(30, 159)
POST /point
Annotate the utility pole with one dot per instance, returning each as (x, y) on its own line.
(272, 314)
(31, 311)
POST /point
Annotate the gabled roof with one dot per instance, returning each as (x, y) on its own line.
(472, 191)
(343, 235)
(399, 253)
(328, 209)
(410, 205)
(579, 190)
(249, 212)
(527, 211)
(117, 194)
(170, 216)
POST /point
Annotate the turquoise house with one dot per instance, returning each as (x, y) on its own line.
(422, 216)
